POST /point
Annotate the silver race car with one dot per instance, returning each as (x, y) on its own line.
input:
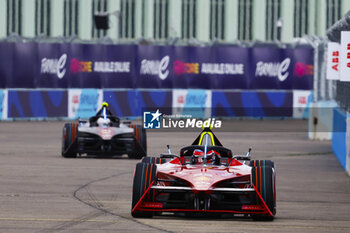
(103, 135)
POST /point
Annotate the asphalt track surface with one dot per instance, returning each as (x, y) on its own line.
(42, 192)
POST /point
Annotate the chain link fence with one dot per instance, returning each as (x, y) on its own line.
(324, 90)
(343, 95)
(342, 90)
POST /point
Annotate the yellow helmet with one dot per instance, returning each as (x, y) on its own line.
(104, 104)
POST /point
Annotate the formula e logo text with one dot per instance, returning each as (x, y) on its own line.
(151, 120)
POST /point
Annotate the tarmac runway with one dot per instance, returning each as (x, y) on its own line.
(40, 191)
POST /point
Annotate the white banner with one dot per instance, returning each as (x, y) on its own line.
(345, 56)
(83, 103)
(333, 60)
(196, 103)
(301, 103)
(3, 104)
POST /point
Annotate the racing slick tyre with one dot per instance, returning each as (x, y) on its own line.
(255, 163)
(153, 160)
(263, 178)
(69, 144)
(145, 174)
(140, 149)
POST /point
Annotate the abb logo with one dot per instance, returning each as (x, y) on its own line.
(76, 99)
(302, 100)
(335, 60)
(348, 55)
(181, 99)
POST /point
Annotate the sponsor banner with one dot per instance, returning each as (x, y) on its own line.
(196, 103)
(3, 104)
(154, 67)
(83, 103)
(252, 104)
(277, 68)
(24, 65)
(230, 68)
(333, 60)
(270, 68)
(187, 67)
(97, 66)
(211, 67)
(53, 66)
(29, 104)
(122, 103)
(301, 69)
(130, 103)
(7, 61)
(301, 103)
(18, 65)
(85, 66)
(49, 65)
(149, 100)
(345, 56)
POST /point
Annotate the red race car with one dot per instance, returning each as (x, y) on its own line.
(205, 178)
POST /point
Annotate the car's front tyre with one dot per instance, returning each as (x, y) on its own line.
(263, 178)
(145, 174)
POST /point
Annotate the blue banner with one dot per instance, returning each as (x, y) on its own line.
(49, 65)
(28, 104)
(252, 104)
(2, 103)
(132, 103)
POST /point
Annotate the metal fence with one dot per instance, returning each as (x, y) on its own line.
(324, 90)
(343, 95)
(342, 89)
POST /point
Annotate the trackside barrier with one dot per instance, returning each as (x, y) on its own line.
(341, 137)
(37, 103)
(302, 101)
(83, 103)
(75, 103)
(252, 104)
(321, 121)
(3, 104)
(126, 103)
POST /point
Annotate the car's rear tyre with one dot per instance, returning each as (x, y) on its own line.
(145, 174)
(140, 149)
(69, 144)
(263, 178)
(255, 163)
(153, 160)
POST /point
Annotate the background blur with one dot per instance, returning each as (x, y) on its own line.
(205, 20)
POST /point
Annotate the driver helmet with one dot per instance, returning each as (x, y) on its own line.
(105, 104)
(102, 122)
(198, 152)
(197, 156)
(212, 153)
